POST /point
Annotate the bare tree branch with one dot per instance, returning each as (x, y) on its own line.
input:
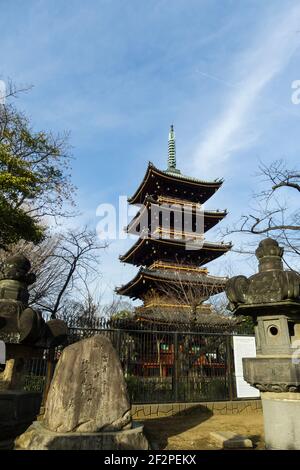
(65, 265)
(273, 216)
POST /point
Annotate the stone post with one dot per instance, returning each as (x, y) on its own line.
(272, 298)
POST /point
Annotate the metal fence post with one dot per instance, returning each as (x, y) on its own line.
(49, 373)
(118, 345)
(230, 368)
(176, 368)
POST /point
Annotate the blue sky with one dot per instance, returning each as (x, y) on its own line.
(117, 73)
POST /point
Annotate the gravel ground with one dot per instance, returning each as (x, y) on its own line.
(186, 432)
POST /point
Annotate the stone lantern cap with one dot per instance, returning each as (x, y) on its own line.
(18, 322)
(270, 288)
(15, 277)
(17, 268)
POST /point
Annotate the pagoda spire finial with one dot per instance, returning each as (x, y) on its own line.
(172, 151)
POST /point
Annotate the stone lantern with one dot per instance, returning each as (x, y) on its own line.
(272, 298)
(26, 335)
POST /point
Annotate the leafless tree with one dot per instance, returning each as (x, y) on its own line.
(189, 289)
(65, 265)
(117, 308)
(81, 313)
(12, 90)
(273, 215)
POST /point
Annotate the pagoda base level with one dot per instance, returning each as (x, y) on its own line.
(281, 420)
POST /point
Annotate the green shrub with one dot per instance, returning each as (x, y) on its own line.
(34, 383)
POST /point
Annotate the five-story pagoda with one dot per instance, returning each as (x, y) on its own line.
(171, 250)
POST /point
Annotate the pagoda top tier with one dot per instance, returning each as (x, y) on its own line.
(172, 183)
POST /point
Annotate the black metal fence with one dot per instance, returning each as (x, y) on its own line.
(161, 365)
(38, 371)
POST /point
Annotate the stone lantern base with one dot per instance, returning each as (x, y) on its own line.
(17, 411)
(281, 420)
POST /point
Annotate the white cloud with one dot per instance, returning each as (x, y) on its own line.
(267, 58)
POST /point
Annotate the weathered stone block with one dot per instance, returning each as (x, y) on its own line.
(37, 437)
(230, 440)
(165, 409)
(210, 406)
(147, 410)
(154, 410)
(88, 391)
(217, 407)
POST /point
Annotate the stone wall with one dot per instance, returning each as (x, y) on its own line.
(219, 407)
(159, 410)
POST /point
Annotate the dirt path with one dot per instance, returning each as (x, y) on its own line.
(186, 432)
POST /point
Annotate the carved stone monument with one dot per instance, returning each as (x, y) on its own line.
(272, 298)
(87, 406)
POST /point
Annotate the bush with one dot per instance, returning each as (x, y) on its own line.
(161, 390)
(34, 383)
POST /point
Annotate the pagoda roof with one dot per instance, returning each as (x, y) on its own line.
(211, 218)
(197, 190)
(146, 279)
(169, 319)
(147, 250)
(205, 317)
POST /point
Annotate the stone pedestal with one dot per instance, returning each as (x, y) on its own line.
(281, 420)
(17, 411)
(18, 408)
(37, 437)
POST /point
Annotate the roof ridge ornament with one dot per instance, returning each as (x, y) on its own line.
(172, 151)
